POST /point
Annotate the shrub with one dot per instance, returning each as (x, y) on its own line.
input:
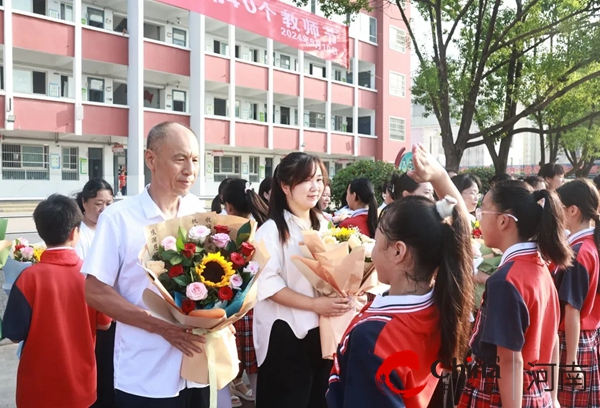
(376, 171)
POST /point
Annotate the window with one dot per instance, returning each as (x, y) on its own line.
(268, 167)
(22, 81)
(179, 37)
(364, 79)
(153, 31)
(179, 101)
(220, 107)
(226, 166)
(70, 163)
(95, 17)
(338, 123)
(253, 111)
(326, 164)
(39, 83)
(337, 75)
(338, 167)
(66, 12)
(95, 90)
(284, 115)
(284, 61)
(373, 30)
(316, 120)
(317, 71)
(64, 86)
(39, 7)
(220, 47)
(237, 109)
(397, 39)
(253, 168)
(313, 6)
(397, 129)
(25, 162)
(151, 97)
(251, 55)
(397, 84)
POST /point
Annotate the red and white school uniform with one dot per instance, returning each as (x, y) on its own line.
(359, 220)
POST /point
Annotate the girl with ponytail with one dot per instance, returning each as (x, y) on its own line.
(241, 200)
(360, 196)
(518, 319)
(423, 251)
(578, 292)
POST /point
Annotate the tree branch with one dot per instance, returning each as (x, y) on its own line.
(461, 14)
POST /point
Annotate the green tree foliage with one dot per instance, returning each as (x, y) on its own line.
(376, 171)
(485, 174)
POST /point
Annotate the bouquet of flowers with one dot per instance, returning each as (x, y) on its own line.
(204, 268)
(337, 263)
(485, 260)
(22, 256)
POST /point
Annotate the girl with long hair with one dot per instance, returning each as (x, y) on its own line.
(401, 185)
(291, 370)
(360, 196)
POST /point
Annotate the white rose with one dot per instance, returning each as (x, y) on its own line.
(354, 241)
(252, 267)
(366, 239)
(157, 267)
(329, 240)
(198, 234)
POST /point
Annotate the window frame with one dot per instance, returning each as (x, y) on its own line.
(26, 171)
(399, 91)
(174, 100)
(217, 165)
(89, 88)
(401, 138)
(89, 20)
(70, 170)
(254, 174)
(394, 44)
(179, 31)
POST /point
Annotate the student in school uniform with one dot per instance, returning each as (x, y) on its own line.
(422, 251)
(291, 370)
(241, 200)
(517, 323)
(360, 196)
(578, 293)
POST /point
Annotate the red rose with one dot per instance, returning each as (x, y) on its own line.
(189, 250)
(247, 249)
(176, 271)
(225, 293)
(477, 233)
(18, 247)
(237, 260)
(221, 229)
(188, 306)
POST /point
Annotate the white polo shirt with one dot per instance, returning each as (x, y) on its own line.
(145, 364)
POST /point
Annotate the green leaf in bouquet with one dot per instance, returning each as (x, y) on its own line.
(182, 235)
(186, 262)
(182, 280)
(241, 238)
(176, 260)
(244, 229)
(166, 281)
(246, 277)
(180, 244)
(231, 247)
(167, 255)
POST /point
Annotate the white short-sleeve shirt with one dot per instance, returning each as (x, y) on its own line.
(145, 364)
(86, 237)
(280, 273)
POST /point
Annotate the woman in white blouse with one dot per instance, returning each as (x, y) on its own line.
(96, 195)
(291, 370)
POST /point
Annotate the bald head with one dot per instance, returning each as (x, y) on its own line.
(159, 133)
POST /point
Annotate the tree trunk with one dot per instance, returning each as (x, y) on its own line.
(585, 171)
(554, 139)
(452, 152)
(503, 152)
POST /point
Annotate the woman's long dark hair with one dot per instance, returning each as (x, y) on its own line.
(466, 181)
(90, 190)
(540, 218)
(264, 188)
(217, 203)
(440, 250)
(399, 183)
(245, 201)
(583, 194)
(365, 192)
(295, 168)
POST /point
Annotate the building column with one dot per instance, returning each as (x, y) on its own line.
(135, 97)
(270, 93)
(354, 64)
(9, 103)
(328, 124)
(301, 101)
(77, 68)
(232, 81)
(197, 26)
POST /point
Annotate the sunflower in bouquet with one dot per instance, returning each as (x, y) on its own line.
(354, 238)
(204, 268)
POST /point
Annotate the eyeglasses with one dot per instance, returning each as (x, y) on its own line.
(479, 214)
(473, 194)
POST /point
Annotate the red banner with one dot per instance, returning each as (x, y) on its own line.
(282, 22)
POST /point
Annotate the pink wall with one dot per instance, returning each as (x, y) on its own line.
(367, 99)
(95, 120)
(251, 76)
(100, 46)
(342, 94)
(1, 26)
(367, 147)
(285, 138)
(163, 58)
(2, 110)
(368, 52)
(286, 83)
(315, 141)
(42, 35)
(217, 69)
(152, 118)
(351, 48)
(249, 135)
(46, 116)
(216, 131)
(315, 89)
(342, 144)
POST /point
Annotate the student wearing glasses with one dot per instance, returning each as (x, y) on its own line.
(469, 187)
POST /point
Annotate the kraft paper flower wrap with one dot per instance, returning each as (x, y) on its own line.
(218, 364)
(335, 271)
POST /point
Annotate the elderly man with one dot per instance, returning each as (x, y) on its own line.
(148, 351)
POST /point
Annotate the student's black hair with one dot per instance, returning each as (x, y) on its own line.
(295, 168)
(366, 194)
(217, 203)
(551, 170)
(264, 188)
(540, 221)
(500, 177)
(533, 181)
(440, 251)
(91, 190)
(399, 183)
(597, 181)
(245, 201)
(584, 195)
(465, 181)
(55, 218)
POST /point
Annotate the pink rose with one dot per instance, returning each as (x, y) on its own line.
(23, 241)
(27, 253)
(252, 267)
(169, 243)
(196, 291)
(236, 281)
(221, 240)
